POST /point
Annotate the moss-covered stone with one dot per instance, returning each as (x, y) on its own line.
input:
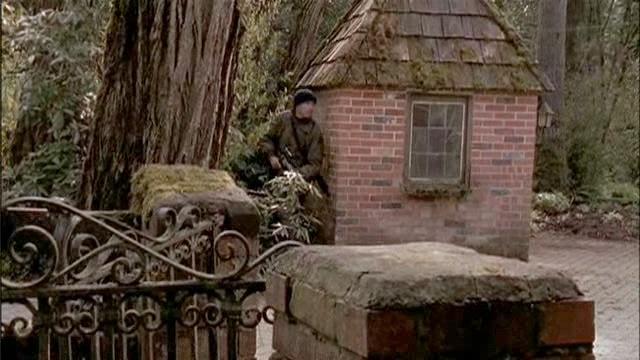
(153, 183)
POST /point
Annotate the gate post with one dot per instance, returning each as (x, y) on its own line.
(424, 301)
(213, 192)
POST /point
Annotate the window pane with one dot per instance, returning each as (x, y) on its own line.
(452, 166)
(419, 166)
(420, 115)
(419, 139)
(453, 143)
(454, 117)
(437, 116)
(435, 166)
(437, 140)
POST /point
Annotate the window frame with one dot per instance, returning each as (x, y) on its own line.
(432, 186)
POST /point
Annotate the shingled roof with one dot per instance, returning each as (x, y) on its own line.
(428, 45)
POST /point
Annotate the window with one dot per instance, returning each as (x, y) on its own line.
(437, 137)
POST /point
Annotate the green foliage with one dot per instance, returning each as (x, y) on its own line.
(52, 170)
(593, 159)
(551, 203)
(262, 85)
(523, 16)
(551, 173)
(50, 61)
(10, 88)
(283, 211)
(260, 89)
(622, 193)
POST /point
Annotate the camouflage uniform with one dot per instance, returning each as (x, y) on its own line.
(280, 141)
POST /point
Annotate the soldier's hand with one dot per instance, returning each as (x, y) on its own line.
(275, 163)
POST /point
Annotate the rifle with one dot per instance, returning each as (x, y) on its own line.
(287, 164)
(286, 160)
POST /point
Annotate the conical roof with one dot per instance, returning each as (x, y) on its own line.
(426, 45)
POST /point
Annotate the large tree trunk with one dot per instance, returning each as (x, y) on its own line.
(550, 167)
(166, 95)
(551, 48)
(576, 20)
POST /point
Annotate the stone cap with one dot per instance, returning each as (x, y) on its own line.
(417, 274)
(155, 186)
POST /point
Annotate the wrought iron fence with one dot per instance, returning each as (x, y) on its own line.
(108, 285)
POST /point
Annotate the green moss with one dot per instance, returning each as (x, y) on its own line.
(519, 81)
(467, 54)
(434, 192)
(153, 183)
(429, 76)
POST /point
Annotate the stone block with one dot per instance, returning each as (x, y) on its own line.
(416, 274)
(485, 330)
(155, 186)
(278, 292)
(351, 330)
(425, 300)
(294, 340)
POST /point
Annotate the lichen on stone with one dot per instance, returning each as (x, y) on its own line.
(153, 183)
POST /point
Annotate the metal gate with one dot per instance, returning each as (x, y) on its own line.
(109, 285)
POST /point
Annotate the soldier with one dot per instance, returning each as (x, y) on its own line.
(294, 141)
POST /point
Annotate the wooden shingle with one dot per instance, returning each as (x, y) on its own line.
(452, 26)
(447, 50)
(399, 5)
(410, 24)
(484, 28)
(467, 27)
(438, 6)
(432, 26)
(470, 51)
(418, 6)
(423, 48)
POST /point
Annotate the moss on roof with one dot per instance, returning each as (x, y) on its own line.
(433, 45)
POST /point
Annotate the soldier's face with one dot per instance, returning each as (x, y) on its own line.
(305, 110)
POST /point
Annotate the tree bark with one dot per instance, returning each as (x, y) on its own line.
(303, 41)
(166, 95)
(551, 49)
(550, 164)
(576, 20)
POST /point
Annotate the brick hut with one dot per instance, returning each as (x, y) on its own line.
(429, 109)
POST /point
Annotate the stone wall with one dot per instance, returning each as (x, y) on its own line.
(365, 135)
(423, 301)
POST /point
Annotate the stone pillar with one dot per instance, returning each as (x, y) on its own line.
(215, 193)
(423, 301)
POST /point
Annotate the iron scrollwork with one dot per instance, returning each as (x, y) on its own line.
(92, 271)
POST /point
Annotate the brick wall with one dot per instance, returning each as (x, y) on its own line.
(365, 135)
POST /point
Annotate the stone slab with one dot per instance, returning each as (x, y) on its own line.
(418, 274)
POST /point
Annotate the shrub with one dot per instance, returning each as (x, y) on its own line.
(551, 203)
(51, 61)
(283, 212)
(53, 170)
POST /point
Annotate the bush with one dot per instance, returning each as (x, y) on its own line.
(624, 194)
(53, 170)
(51, 62)
(551, 203)
(601, 141)
(283, 212)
